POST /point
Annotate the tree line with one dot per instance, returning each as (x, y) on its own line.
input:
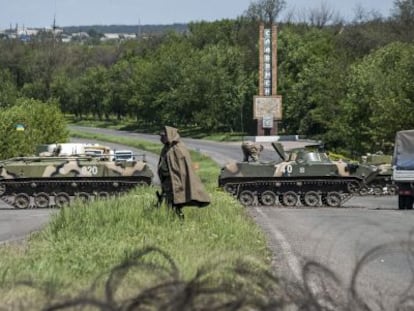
(348, 84)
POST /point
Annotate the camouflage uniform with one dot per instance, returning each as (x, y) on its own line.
(251, 150)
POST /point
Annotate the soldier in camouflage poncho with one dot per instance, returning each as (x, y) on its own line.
(179, 183)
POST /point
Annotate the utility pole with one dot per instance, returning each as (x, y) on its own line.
(139, 29)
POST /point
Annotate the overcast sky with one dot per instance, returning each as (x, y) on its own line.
(40, 13)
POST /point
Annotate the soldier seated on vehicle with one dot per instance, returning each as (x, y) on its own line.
(57, 150)
(251, 150)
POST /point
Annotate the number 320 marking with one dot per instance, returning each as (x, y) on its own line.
(89, 170)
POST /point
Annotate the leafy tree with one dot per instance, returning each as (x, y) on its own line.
(44, 63)
(265, 10)
(310, 80)
(403, 16)
(380, 97)
(14, 57)
(167, 75)
(43, 122)
(203, 34)
(358, 40)
(323, 15)
(404, 11)
(119, 85)
(8, 90)
(214, 88)
(143, 91)
(93, 91)
(66, 92)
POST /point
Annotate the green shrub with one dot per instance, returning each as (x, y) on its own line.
(42, 122)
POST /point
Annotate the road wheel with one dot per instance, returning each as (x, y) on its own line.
(246, 198)
(377, 190)
(103, 195)
(22, 201)
(289, 199)
(364, 190)
(232, 189)
(62, 199)
(268, 198)
(41, 200)
(2, 189)
(311, 198)
(83, 196)
(333, 199)
(354, 187)
(392, 189)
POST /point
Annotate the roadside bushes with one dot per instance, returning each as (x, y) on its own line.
(29, 123)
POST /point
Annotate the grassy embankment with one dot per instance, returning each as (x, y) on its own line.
(83, 243)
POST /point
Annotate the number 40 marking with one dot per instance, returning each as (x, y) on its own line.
(288, 169)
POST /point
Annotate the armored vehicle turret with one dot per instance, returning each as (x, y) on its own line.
(48, 181)
(303, 177)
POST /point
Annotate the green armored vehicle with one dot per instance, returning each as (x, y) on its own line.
(383, 183)
(48, 181)
(303, 177)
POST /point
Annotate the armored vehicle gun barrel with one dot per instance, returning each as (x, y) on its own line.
(304, 177)
(48, 181)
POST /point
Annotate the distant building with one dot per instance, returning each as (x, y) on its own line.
(118, 36)
(21, 33)
(129, 36)
(110, 36)
(29, 32)
(80, 35)
(61, 34)
(65, 38)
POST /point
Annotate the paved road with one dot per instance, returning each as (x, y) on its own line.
(17, 224)
(221, 152)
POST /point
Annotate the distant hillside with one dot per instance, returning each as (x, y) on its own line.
(132, 29)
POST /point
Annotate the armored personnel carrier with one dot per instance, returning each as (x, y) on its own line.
(383, 184)
(48, 181)
(303, 177)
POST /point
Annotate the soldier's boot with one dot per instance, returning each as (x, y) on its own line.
(179, 212)
(160, 198)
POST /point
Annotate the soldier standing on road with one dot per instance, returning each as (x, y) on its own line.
(179, 183)
(251, 151)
